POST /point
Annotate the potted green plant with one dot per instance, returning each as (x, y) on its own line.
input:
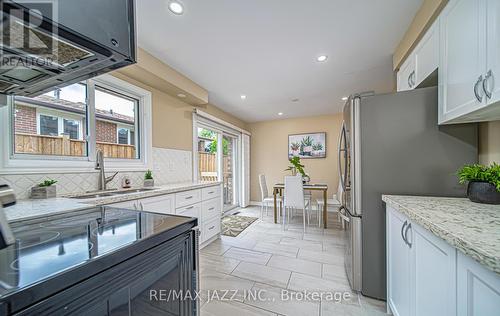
(148, 179)
(295, 167)
(307, 143)
(44, 190)
(483, 182)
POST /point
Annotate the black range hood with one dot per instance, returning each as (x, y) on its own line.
(54, 43)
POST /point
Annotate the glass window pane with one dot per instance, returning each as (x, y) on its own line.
(52, 124)
(116, 124)
(207, 155)
(49, 125)
(72, 128)
(123, 136)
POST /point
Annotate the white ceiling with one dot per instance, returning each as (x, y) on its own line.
(267, 49)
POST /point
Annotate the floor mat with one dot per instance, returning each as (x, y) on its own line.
(233, 225)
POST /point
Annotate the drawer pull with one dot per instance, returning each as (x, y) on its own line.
(211, 192)
(188, 197)
(212, 227)
(188, 208)
(211, 209)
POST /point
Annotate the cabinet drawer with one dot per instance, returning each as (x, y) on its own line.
(190, 210)
(187, 198)
(159, 204)
(210, 192)
(131, 205)
(210, 229)
(210, 209)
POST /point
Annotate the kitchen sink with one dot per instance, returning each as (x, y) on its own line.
(110, 193)
(93, 196)
(133, 191)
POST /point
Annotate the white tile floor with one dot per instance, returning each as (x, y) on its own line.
(268, 261)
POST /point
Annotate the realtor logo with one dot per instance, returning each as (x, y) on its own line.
(21, 31)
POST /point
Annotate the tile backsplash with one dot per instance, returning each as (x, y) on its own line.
(169, 166)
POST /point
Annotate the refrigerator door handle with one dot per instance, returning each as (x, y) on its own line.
(340, 150)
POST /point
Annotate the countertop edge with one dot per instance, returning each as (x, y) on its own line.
(485, 259)
(86, 203)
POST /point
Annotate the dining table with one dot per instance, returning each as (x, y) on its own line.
(278, 190)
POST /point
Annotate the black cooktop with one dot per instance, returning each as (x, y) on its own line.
(48, 247)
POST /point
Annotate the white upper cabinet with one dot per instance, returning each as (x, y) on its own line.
(469, 61)
(492, 80)
(406, 74)
(422, 61)
(427, 54)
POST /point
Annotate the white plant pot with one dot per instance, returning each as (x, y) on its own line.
(43, 192)
(149, 183)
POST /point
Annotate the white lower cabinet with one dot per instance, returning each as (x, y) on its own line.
(432, 269)
(398, 265)
(478, 291)
(420, 270)
(204, 204)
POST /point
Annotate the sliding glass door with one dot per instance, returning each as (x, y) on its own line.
(218, 159)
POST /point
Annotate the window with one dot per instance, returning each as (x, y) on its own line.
(71, 123)
(49, 125)
(71, 128)
(52, 124)
(115, 113)
(123, 136)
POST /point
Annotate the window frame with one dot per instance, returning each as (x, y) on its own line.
(17, 163)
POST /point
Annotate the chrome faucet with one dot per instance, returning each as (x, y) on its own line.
(99, 165)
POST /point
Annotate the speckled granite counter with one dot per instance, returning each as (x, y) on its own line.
(472, 228)
(26, 209)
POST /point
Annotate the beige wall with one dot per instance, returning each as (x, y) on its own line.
(269, 150)
(489, 142)
(172, 118)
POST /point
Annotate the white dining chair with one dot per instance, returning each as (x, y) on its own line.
(266, 199)
(333, 206)
(294, 199)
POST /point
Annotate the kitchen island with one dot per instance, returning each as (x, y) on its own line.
(443, 256)
(99, 261)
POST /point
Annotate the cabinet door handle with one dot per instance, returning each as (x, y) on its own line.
(142, 207)
(211, 209)
(409, 80)
(188, 208)
(406, 235)
(402, 233)
(189, 197)
(212, 227)
(489, 75)
(412, 78)
(478, 97)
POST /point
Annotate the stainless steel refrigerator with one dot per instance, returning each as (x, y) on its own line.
(392, 144)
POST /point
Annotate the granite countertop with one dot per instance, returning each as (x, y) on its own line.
(472, 228)
(28, 209)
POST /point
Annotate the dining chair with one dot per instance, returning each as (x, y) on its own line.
(294, 199)
(333, 205)
(266, 199)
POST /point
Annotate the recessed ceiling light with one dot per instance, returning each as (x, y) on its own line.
(295, 100)
(280, 113)
(322, 58)
(344, 98)
(181, 95)
(243, 97)
(176, 7)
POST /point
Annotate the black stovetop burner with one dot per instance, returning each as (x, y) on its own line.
(51, 245)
